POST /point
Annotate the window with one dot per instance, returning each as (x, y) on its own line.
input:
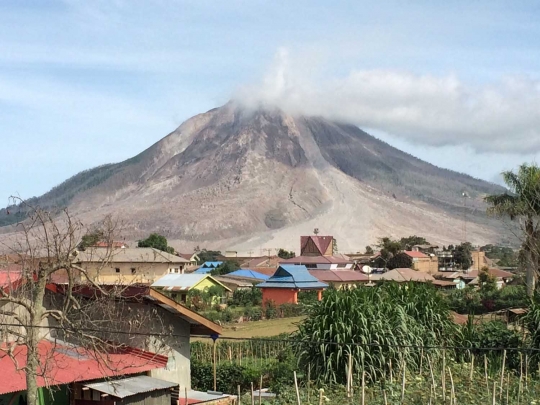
(117, 270)
(133, 270)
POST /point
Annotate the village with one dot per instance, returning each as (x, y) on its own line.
(121, 324)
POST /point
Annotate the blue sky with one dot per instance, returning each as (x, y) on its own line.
(83, 83)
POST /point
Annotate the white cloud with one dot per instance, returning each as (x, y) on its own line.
(434, 110)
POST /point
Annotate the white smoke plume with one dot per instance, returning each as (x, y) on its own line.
(501, 117)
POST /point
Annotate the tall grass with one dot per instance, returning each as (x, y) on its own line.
(386, 326)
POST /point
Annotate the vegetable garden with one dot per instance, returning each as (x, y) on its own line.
(384, 345)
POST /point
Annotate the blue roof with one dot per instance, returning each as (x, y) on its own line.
(293, 276)
(249, 274)
(203, 270)
(211, 265)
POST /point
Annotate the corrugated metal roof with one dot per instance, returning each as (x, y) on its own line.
(129, 255)
(131, 386)
(292, 276)
(338, 275)
(211, 264)
(249, 274)
(179, 280)
(403, 274)
(203, 270)
(316, 260)
(68, 363)
(183, 282)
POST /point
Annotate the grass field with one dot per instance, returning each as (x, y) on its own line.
(269, 327)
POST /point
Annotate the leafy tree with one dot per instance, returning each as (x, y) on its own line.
(522, 204)
(91, 239)
(225, 268)
(156, 241)
(388, 248)
(504, 256)
(285, 254)
(487, 281)
(410, 241)
(334, 245)
(462, 255)
(401, 260)
(369, 250)
(208, 255)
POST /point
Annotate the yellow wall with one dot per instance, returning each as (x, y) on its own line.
(426, 265)
(145, 273)
(478, 259)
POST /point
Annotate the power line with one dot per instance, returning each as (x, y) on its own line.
(263, 339)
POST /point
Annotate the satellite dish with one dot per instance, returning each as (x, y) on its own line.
(366, 270)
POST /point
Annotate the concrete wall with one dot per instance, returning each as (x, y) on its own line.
(144, 318)
(280, 295)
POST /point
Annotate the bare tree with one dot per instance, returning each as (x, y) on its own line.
(42, 257)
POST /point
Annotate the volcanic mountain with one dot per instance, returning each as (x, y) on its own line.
(251, 178)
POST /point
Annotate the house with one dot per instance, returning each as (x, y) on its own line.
(340, 279)
(68, 365)
(177, 286)
(316, 245)
(287, 281)
(320, 262)
(501, 277)
(403, 275)
(455, 277)
(128, 265)
(426, 263)
(192, 258)
(81, 374)
(234, 283)
(242, 279)
(207, 267)
(248, 274)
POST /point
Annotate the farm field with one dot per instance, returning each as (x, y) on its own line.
(271, 327)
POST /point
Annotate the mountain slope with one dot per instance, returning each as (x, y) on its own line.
(253, 178)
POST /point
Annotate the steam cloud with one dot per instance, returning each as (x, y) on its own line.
(503, 117)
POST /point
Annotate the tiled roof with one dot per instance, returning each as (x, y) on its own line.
(291, 276)
(342, 276)
(67, 363)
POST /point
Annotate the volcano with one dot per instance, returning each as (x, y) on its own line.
(248, 179)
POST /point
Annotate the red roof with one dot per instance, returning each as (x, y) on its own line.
(338, 275)
(415, 255)
(186, 256)
(67, 363)
(321, 242)
(10, 276)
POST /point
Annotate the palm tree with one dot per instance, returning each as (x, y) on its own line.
(522, 203)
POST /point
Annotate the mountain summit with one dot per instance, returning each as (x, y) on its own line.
(248, 178)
